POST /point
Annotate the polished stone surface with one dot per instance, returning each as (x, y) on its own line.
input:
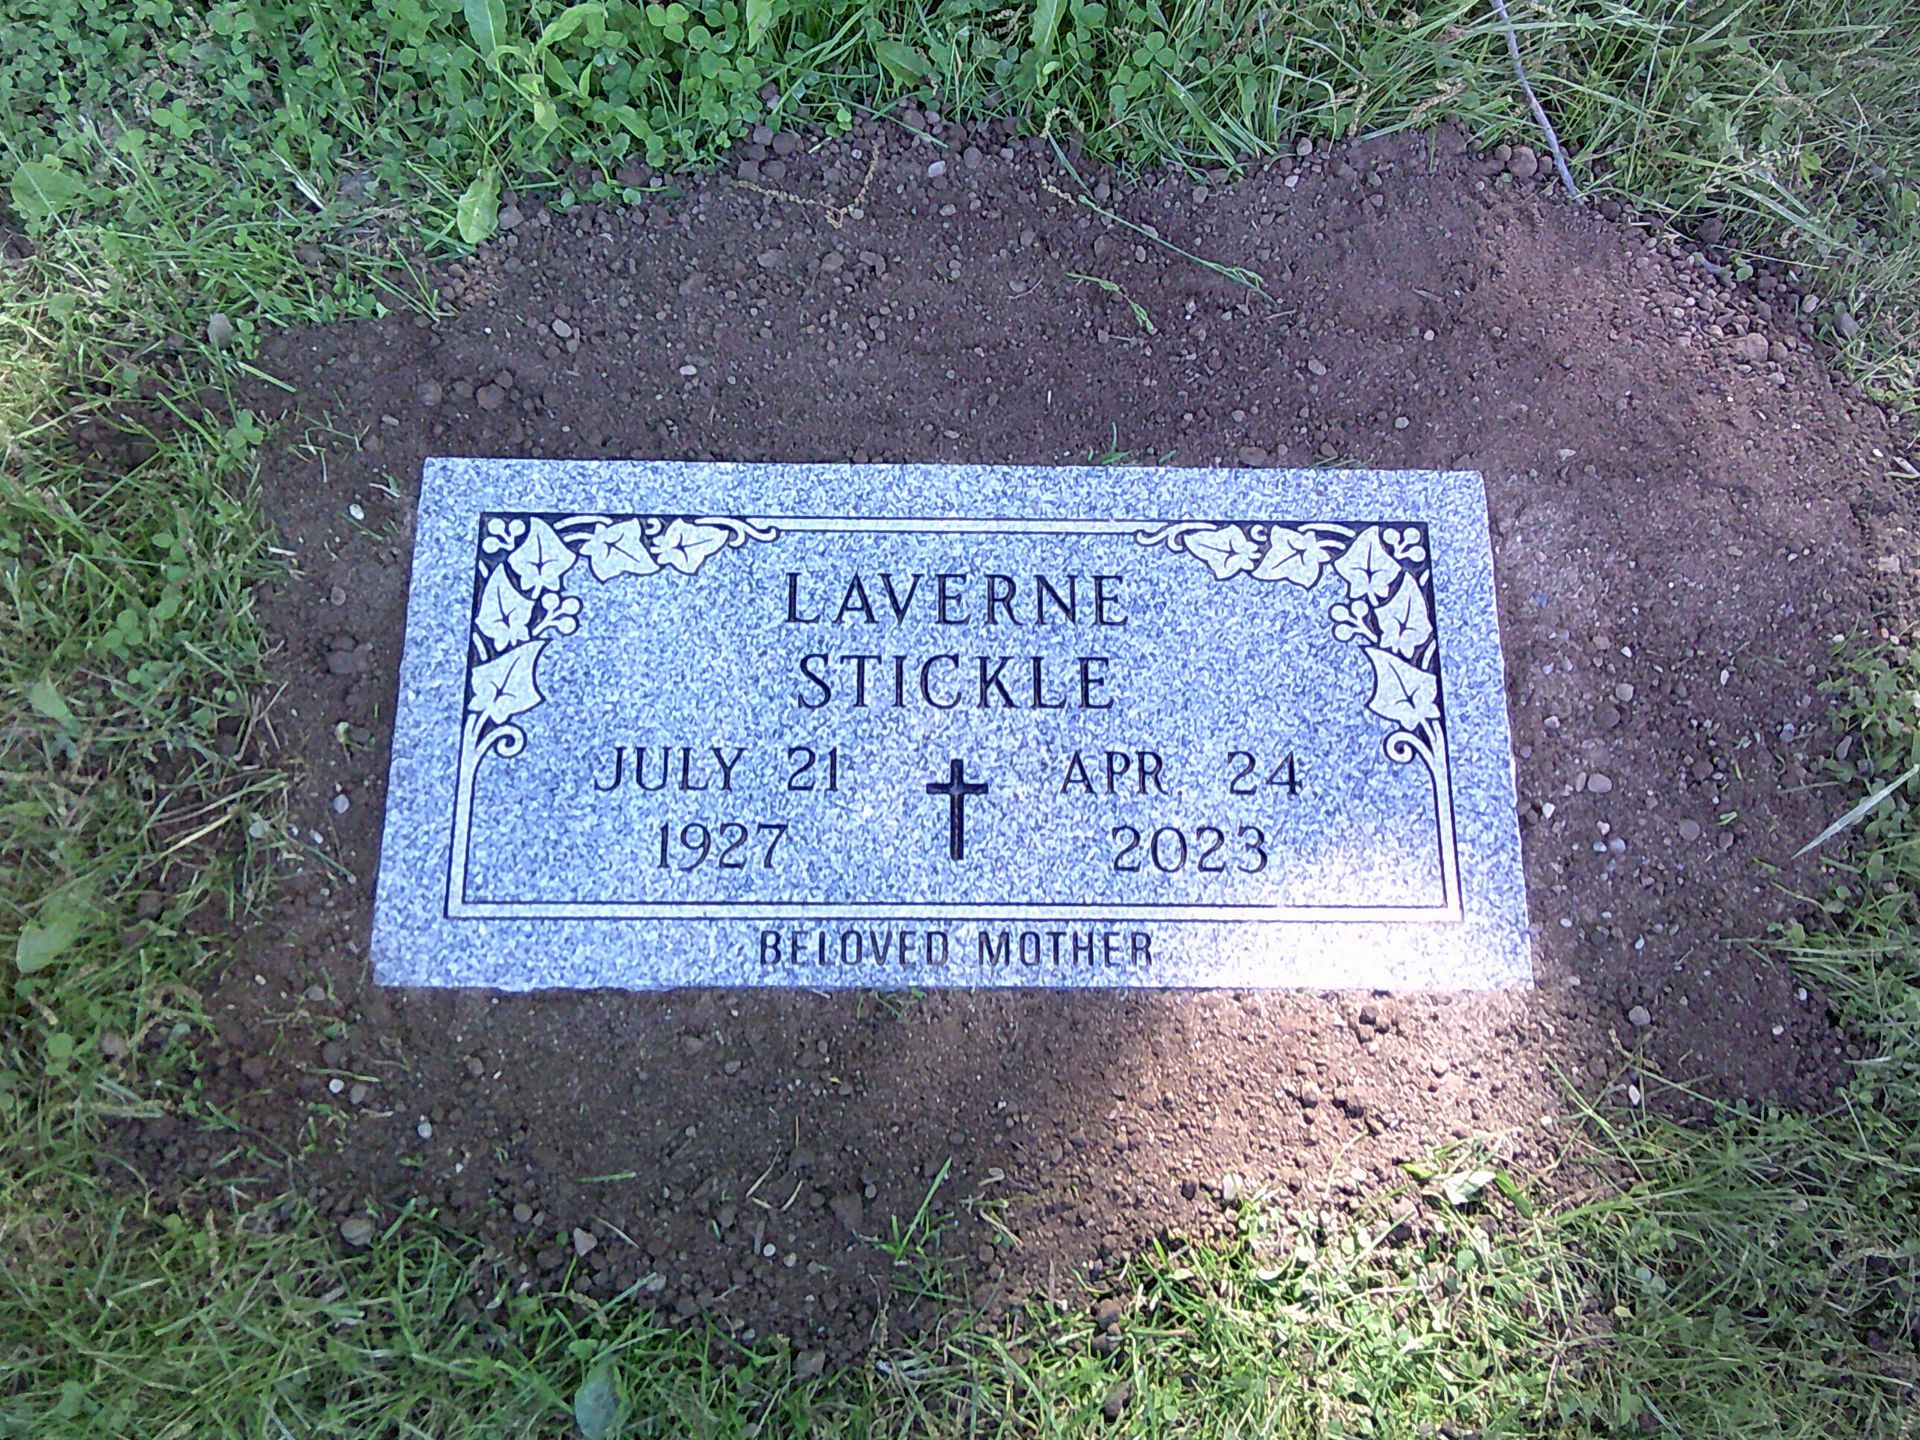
(667, 723)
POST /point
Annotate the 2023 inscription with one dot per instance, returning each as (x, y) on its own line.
(1171, 847)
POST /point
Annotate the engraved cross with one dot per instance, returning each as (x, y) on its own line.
(956, 787)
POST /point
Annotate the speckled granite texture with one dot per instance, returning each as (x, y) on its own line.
(670, 724)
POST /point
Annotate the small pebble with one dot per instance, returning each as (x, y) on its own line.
(584, 1241)
(357, 1230)
(1640, 1017)
(341, 804)
(689, 370)
(1599, 784)
(424, 1130)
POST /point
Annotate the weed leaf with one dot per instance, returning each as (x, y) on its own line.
(1463, 1188)
(45, 940)
(43, 697)
(478, 210)
(596, 1404)
(1046, 24)
(903, 62)
(759, 17)
(570, 20)
(41, 188)
(487, 24)
(1856, 814)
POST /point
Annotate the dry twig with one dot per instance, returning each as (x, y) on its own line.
(1539, 111)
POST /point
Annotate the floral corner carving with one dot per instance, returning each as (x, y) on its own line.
(1387, 572)
(519, 607)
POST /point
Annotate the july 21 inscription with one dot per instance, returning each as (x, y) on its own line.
(1020, 727)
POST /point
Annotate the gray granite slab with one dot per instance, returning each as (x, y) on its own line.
(666, 723)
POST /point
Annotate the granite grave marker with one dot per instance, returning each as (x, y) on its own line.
(667, 723)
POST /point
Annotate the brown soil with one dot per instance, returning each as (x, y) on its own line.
(1688, 510)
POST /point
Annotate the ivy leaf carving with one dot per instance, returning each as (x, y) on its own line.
(685, 546)
(1403, 621)
(542, 558)
(1402, 693)
(618, 550)
(504, 612)
(1226, 549)
(1367, 567)
(504, 686)
(1294, 556)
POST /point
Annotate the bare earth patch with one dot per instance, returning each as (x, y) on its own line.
(1687, 511)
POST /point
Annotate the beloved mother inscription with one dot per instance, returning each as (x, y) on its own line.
(688, 724)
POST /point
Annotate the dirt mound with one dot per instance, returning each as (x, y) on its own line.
(1687, 512)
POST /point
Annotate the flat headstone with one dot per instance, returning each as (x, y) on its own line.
(668, 724)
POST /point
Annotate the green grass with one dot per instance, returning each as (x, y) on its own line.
(1788, 121)
(275, 161)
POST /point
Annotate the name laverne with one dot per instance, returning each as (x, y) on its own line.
(950, 680)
